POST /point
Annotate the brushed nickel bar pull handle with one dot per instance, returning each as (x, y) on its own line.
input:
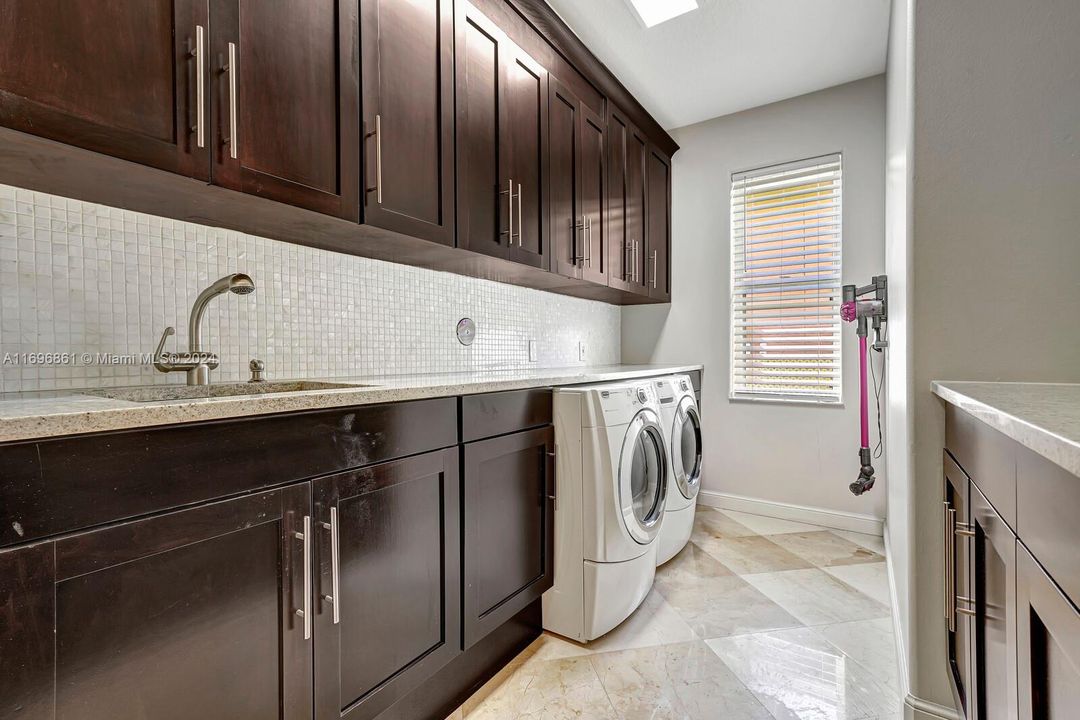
(378, 162)
(966, 530)
(306, 612)
(521, 225)
(628, 253)
(945, 558)
(577, 258)
(509, 192)
(335, 563)
(588, 242)
(200, 85)
(952, 569)
(232, 68)
(654, 264)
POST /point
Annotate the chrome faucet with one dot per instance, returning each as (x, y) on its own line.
(196, 362)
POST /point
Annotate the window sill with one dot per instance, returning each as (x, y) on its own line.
(764, 399)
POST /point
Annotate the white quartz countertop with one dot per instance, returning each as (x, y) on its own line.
(1042, 417)
(25, 416)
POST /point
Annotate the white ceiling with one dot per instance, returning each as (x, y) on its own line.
(731, 55)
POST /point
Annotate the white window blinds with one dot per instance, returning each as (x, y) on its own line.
(785, 286)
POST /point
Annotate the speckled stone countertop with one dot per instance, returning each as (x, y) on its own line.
(1042, 417)
(25, 416)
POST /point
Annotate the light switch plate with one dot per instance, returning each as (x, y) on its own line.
(581, 352)
(532, 351)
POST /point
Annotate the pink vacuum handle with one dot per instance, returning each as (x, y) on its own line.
(864, 403)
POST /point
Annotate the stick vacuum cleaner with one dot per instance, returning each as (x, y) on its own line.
(870, 302)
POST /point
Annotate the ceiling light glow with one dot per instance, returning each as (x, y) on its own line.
(654, 12)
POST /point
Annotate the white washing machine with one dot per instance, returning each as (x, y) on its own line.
(611, 487)
(682, 431)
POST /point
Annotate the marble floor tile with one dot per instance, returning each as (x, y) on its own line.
(686, 681)
(824, 549)
(870, 643)
(710, 523)
(870, 578)
(714, 602)
(755, 554)
(456, 715)
(547, 690)
(655, 622)
(870, 542)
(797, 675)
(763, 525)
(815, 597)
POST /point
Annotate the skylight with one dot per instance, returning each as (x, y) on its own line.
(654, 12)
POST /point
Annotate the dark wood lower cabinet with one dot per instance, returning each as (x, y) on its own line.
(188, 614)
(388, 610)
(993, 570)
(1048, 643)
(509, 539)
(956, 515)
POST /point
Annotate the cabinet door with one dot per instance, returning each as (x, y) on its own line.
(524, 135)
(564, 192)
(658, 218)
(509, 531)
(389, 582)
(956, 516)
(189, 614)
(994, 602)
(593, 195)
(286, 101)
(484, 200)
(626, 204)
(408, 102)
(119, 78)
(1048, 645)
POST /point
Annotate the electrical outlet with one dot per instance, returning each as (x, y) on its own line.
(581, 352)
(532, 351)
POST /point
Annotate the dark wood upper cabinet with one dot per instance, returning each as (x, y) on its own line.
(1048, 644)
(408, 105)
(501, 137)
(285, 99)
(162, 617)
(627, 151)
(388, 582)
(658, 219)
(576, 185)
(120, 78)
(509, 527)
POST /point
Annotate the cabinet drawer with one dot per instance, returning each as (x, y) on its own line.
(68, 484)
(484, 416)
(1048, 499)
(987, 456)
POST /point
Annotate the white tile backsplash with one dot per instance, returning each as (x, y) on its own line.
(80, 278)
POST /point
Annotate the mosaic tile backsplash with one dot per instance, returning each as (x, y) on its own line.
(83, 278)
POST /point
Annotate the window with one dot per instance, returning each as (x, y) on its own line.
(785, 285)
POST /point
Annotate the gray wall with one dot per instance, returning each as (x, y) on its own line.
(797, 454)
(996, 211)
(898, 245)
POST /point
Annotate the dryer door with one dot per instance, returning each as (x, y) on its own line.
(686, 448)
(643, 477)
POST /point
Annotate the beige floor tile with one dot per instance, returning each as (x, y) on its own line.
(710, 523)
(764, 525)
(870, 578)
(824, 549)
(870, 643)
(654, 623)
(870, 542)
(815, 597)
(686, 681)
(796, 674)
(756, 554)
(714, 602)
(456, 715)
(548, 690)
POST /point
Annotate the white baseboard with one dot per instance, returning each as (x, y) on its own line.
(919, 709)
(898, 627)
(798, 513)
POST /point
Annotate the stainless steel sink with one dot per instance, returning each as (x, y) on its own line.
(164, 393)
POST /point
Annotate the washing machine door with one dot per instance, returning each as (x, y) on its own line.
(643, 477)
(686, 448)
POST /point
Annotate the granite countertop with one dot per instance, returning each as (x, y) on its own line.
(25, 416)
(1042, 417)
